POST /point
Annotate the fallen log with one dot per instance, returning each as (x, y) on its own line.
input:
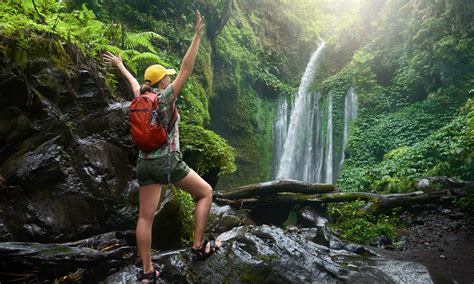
(59, 256)
(377, 203)
(276, 186)
(456, 187)
(291, 192)
(100, 252)
(386, 203)
(238, 203)
(101, 242)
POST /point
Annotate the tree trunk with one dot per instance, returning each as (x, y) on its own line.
(276, 186)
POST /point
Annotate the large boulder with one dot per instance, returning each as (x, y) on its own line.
(224, 218)
(267, 254)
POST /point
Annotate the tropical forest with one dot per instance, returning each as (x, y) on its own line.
(319, 141)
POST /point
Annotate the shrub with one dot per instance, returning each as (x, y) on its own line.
(355, 225)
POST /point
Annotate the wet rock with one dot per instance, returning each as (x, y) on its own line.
(50, 193)
(224, 218)
(88, 92)
(44, 217)
(456, 216)
(418, 221)
(310, 217)
(381, 242)
(423, 184)
(41, 167)
(268, 254)
(50, 81)
(110, 124)
(446, 211)
(102, 166)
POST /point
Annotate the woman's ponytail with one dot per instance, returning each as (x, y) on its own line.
(146, 87)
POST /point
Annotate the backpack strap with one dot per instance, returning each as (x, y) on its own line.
(174, 116)
(171, 124)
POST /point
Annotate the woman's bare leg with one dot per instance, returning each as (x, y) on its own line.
(199, 188)
(149, 198)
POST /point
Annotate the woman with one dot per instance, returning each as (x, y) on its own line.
(165, 165)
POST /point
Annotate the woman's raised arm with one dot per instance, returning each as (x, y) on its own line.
(190, 56)
(109, 58)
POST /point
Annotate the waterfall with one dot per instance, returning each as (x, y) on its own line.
(299, 153)
(303, 132)
(350, 112)
(280, 129)
(329, 145)
(308, 161)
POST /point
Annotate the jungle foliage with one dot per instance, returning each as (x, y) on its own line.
(414, 79)
(411, 63)
(353, 223)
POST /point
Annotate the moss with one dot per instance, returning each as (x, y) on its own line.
(292, 219)
(251, 275)
(186, 210)
(240, 114)
(193, 104)
(54, 250)
(205, 151)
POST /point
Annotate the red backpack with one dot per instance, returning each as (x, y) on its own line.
(148, 132)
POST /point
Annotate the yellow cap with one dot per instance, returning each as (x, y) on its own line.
(156, 72)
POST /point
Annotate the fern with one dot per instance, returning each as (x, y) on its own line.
(51, 26)
(101, 48)
(147, 58)
(143, 39)
(21, 58)
(92, 32)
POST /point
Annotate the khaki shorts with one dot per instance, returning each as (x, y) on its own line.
(154, 171)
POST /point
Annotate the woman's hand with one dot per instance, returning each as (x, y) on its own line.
(109, 58)
(199, 23)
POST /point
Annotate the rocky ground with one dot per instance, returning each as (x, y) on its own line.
(442, 239)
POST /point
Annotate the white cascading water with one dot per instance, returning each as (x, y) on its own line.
(350, 112)
(328, 166)
(308, 163)
(280, 128)
(298, 157)
(303, 132)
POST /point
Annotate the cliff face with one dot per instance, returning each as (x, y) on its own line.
(256, 58)
(64, 146)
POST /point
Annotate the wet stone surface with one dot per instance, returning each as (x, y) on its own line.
(256, 254)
